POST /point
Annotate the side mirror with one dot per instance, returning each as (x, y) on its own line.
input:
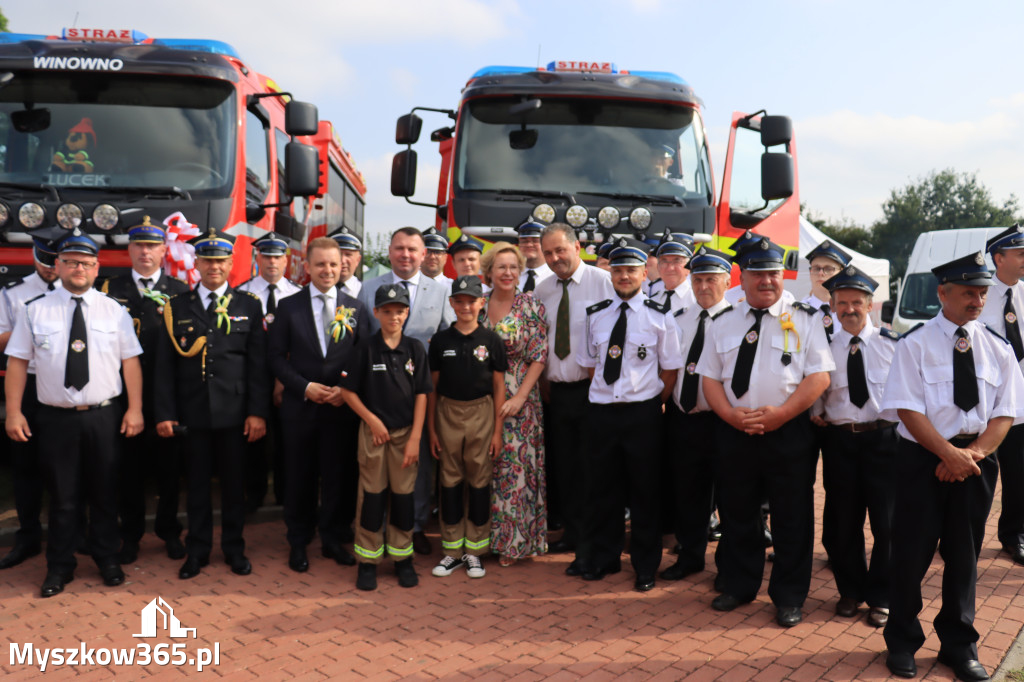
(407, 130)
(778, 176)
(888, 311)
(403, 174)
(300, 118)
(301, 170)
(254, 213)
(776, 130)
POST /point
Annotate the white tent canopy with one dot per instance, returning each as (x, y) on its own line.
(810, 237)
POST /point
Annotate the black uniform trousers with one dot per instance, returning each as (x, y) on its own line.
(220, 451)
(567, 464)
(1011, 472)
(265, 456)
(780, 464)
(148, 455)
(26, 476)
(324, 452)
(78, 455)
(930, 513)
(857, 473)
(624, 456)
(692, 455)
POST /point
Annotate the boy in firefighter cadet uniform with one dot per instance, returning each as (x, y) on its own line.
(858, 448)
(386, 383)
(81, 342)
(435, 257)
(765, 363)
(144, 292)
(956, 389)
(1005, 299)
(26, 477)
(529, 245)
(689, 419)
(351, 259)
(467, 368)
(632, 353)
(270, 286)
(213, 378)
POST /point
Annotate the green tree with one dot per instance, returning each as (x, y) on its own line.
(3, 22)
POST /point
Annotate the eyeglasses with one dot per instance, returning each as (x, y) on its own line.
(824, 269)
(78, 264)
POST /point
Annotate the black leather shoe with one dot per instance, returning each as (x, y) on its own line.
(341, 555)
(788, 616)
(847, 607)
(366, 578)
(1016, 553)
(54, 583)
(574, 569)
(406, 573)
(18, 554)
(239, 564)
(297, 560)
(679, 570)
(561, 547)
(968, 669)
(727, 602)
(714, 530)
(901, 664)
(878, 616)
(768, 541)
(420, 543)
(112, 575)
(600, 573)
(191, 567)
(644, 583)
(129, 552)
(175, 548)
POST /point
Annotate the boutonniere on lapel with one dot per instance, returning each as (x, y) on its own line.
(505, 328)
(786, 322)
(344, 322)
(157, 297)
(222, 313)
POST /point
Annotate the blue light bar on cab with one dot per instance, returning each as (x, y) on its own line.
(659, 76)
(10, 38)
(502, 71)
(211, 46)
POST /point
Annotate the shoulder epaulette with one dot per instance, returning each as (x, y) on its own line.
(660, 307)
(34, 298)
(254, 296)
(887, 333)
(600, 305)
(14, 282)
(721, 312)
(679, 312)
(997, 334)
(806, 307)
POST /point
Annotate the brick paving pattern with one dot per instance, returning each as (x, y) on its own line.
(527, 622)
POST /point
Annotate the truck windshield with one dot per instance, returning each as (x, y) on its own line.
(920, 300)
(121, 130)
(584, 145)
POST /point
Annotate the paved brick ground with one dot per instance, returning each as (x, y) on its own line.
(527, 622)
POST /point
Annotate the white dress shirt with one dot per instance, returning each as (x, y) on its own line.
(351, 286)
(42, 335)
(995, 303)
(682, 297)
(260, 287)
(877, 351)
(14, 298)
(587, 285)
(540, 272)
(204, 293)
(687, 320)
(153, 279)
(921, 379)
(413, 285)
(317, 304)
(831, 324)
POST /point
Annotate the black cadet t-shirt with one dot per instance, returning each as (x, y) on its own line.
(467, 362)
(388, 380)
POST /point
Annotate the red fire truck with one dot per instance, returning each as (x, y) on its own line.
(100, 128)
(608, 151)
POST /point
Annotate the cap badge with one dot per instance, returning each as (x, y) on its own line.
(623, 242)
(849, 271)
(463, 238)
(462, 284)
(979, 258)
(764, 244)
(391, 293)
(614, 352)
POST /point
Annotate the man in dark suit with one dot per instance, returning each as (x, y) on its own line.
(211, 367)
(310, 341)
(144, 292)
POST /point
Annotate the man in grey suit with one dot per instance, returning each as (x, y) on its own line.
(429, 313)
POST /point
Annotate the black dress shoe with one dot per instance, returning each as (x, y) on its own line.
(112, 575)
(847, 607)
(175, 548)
(191, 567)
(788, 616)
(561, 547)
(366, 578)
(968, 669)
(420, 543)
(644, 583)
(574, 569)
(297, 560)
(679, 570)
(714, 530)
(1016, 553)
(239, 564)
(342, 556)
(600, 573)
(129, 552)
(727, 602)
(878, 616)
(554, 525)
(54, 583)
(18, 554)
(901, 664)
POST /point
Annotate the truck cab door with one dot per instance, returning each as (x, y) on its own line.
(759, 185)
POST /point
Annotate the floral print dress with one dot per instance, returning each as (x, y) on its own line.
(519, 518)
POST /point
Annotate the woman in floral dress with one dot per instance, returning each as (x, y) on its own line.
(519, 518)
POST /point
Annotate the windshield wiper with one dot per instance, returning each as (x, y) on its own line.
(534, 193)
(33, 187)
(146, 192)
(649, 198)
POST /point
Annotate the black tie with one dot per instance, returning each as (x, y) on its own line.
(691, 380)
(49, 286)
(855, 376)
(1012, 326)
(211, 309)
(965, 382)
(745, 358)
(76, 371)
(271, 299)
(531, 281)
(147, 283)
(826, 320)
(616, 344)
(668, 298)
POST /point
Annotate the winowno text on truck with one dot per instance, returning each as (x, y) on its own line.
(608, 151)
(101, 128)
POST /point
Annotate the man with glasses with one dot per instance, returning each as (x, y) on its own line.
(81, 342)
(826, 260)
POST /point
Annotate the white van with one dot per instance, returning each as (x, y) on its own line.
(917, 300)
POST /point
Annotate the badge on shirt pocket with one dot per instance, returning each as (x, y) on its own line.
(410, 367)
(481, 353)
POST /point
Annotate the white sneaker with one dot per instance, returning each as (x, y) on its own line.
(447, 566)
(474, 568)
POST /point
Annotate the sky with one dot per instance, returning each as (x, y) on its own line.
(881, 92)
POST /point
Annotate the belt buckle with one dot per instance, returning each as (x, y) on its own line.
(81, 408)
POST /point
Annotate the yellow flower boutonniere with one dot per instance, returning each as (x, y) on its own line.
(344, 321)
(786, 322)
(222, 312)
